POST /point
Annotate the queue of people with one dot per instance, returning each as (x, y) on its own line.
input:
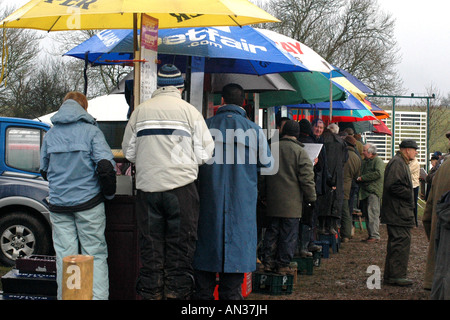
(199, 184)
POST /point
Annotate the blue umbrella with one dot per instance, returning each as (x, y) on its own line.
(338, 72)
(226, 50)
(350, 109)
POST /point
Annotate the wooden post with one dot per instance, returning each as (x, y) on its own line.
(78, 275)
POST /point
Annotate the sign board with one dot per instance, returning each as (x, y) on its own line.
(149, 53)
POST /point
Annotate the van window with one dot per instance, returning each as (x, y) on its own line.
(23, 148)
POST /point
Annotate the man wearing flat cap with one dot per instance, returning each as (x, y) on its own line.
(397, 212)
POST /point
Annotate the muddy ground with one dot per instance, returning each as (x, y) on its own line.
(343, 276)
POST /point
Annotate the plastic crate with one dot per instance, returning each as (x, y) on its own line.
(15, 282)
(332, 240)
(325, 248)
(246, 286)
(363, 224)
(272, 284)
(304, 265)
(317, 257)
(36, 264)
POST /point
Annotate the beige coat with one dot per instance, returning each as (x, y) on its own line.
(414, 167)
(440, 185)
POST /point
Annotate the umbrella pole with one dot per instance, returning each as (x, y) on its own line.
(137, 65)
(331, 100)
(86, 60)
(188, 78)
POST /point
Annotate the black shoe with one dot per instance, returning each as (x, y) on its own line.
(402, 282)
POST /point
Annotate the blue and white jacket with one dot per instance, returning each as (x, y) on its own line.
(167, 138)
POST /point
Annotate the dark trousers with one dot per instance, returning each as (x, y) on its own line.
(416, 197)
(398, 248)
(280, 242)
(167, 223)
(230, 285)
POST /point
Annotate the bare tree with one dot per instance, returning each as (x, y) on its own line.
(40, 93)
(438, 118)
(18, 56)
(101, 79)
(354, 35)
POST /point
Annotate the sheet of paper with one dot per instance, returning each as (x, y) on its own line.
(313, 150)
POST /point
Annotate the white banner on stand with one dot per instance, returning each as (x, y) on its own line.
(149, 53)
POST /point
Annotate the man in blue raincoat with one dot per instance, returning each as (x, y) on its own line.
(227, 236)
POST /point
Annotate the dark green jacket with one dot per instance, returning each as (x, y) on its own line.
(372, 172)
(292, 184)
(397, 207)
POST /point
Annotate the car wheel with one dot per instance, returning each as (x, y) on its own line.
(21, 235)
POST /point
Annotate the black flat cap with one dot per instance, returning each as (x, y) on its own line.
(409, 143)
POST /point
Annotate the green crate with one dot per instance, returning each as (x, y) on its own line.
(304, 265)
(317, 257)
(357, 226)
(272, 283)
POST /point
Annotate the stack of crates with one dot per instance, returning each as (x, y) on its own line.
(272, 283)
(33, 278)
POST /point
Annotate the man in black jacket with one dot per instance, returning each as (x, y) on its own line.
(397, 212)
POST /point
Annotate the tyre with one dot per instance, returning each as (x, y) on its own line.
(22, 234)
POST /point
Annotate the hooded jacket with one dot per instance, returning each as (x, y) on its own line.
(70, 153)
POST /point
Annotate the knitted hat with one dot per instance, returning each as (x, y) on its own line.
(169, 75)
(291, 128)
(305, 126)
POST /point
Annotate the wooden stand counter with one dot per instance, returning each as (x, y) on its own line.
(123, 249)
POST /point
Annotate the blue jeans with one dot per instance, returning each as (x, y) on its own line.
(82, 232)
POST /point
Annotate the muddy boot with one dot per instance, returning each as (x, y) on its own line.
(321, 227)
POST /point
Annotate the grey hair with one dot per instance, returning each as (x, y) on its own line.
(371, 148)
(333, 128)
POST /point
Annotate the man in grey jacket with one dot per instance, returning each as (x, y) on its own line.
(397, 212)
(167, 138)
(371, 190)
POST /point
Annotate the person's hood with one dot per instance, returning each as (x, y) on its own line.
(71, 112)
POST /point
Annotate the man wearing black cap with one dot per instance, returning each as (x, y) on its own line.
(397, 212)
(167, 139)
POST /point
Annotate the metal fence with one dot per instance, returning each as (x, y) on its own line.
(408, 125)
